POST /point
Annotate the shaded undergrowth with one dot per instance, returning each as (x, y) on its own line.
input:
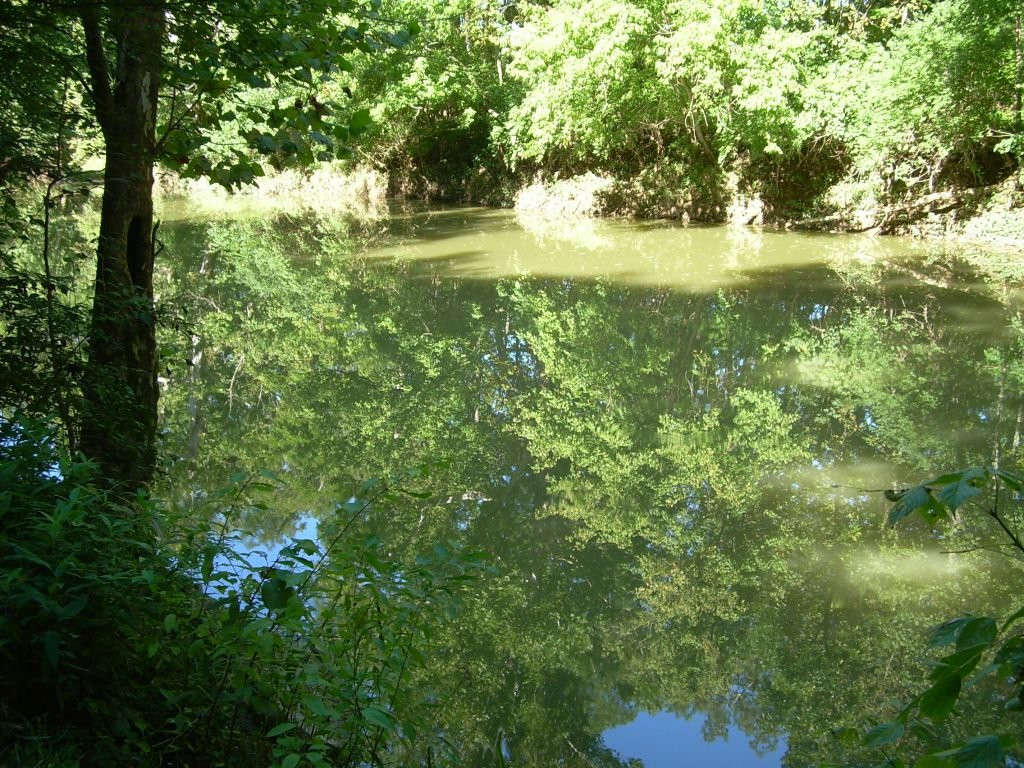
(131, 634)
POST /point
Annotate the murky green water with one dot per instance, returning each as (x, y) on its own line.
(671, 441)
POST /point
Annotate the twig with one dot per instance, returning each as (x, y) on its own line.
(994, 514)
(231, 385)
(980, 548)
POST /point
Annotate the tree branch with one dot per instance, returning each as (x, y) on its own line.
(1017, 543)
(99, 72)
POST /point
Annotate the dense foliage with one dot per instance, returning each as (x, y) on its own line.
(140, 632)
(813, 107)
(134, 635)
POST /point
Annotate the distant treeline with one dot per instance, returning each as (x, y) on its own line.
(811, 107)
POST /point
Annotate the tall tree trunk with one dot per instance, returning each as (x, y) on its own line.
(119, 423)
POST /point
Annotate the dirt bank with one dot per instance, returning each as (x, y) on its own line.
(991, 214)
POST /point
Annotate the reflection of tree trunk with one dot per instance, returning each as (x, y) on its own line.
(59, 363)
(195, 418)
(119, 423)
(680, 365)
(1015, 446)
(1000, 402)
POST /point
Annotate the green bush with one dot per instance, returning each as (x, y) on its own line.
(133, 635)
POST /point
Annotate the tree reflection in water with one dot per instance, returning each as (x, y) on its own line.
(659, 437)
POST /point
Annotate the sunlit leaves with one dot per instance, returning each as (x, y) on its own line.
(235, 81)
(433, 99)
(585, 68)
(945, 493)
(939, 85)
(918, 498)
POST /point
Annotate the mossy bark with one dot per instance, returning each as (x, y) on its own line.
(119, 423)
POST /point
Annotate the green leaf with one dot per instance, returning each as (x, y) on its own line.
(306, 545)
(979, 752)
(276, 593)
(51, 649)
(1019, 614)
(379, 717)
(1013, 481)
(977, 632)
(73, 608)
(277, 730)
(316, 705)
(969, 485)
(957, 664)
(266, 143)
(884, 734)
(946, 633)
(170, 622)
(291, 761)
(932, 510)
(415, 494)
(360, 120)
(939, 700)
(847, 736)
(207, 567)
(910, 501)
(1011, 654)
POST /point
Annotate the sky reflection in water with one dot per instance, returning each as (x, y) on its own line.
(665, 740)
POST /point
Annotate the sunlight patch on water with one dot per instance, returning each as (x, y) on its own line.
(487, 243)
(905, 567)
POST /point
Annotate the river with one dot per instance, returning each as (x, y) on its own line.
(671, 442)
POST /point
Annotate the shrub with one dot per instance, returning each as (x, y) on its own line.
(134, 635)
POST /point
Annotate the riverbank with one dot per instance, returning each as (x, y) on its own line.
(992, 214)
(326, 188)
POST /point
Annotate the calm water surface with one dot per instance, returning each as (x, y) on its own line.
(671, 441)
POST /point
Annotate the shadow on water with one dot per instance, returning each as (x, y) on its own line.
(671, 440)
